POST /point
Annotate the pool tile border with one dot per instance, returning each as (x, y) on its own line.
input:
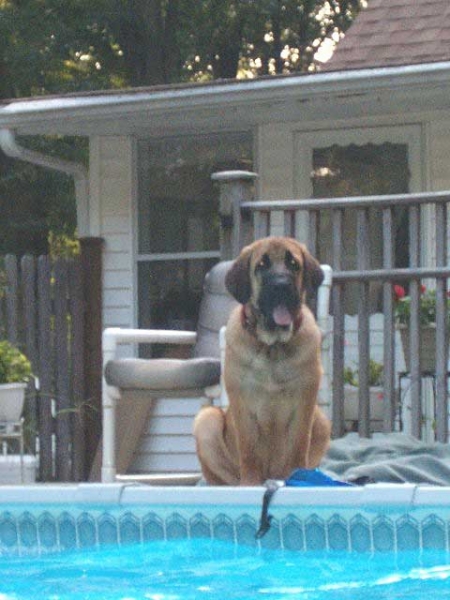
(367, 519)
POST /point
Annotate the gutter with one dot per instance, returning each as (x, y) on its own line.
(11, 148)
(108, 105)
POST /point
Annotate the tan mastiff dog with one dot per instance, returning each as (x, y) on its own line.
(272, 372)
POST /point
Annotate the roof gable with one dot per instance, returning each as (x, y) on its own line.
(395, 32)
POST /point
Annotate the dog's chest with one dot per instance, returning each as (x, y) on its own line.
(269, 373)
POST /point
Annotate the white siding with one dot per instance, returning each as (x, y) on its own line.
(439, 153)
(439, 161)
(275, 154)
(112, 168)
(275, 167)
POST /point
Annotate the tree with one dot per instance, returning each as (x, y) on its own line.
(36, 201)
(54, 46)
(57, 46)
(43, 50)
(261, 37)
(164, 41)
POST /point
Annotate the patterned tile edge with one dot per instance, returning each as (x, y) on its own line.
(38, 530)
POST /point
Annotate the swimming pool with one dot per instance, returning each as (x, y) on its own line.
(78, 530)
(189, 570)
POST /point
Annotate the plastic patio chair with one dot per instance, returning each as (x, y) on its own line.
(198, 376)
(195, 377)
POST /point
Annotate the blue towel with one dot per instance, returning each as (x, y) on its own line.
(298, 478)
(313, 478)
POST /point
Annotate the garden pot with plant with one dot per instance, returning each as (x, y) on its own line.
(15, 372)
(351, 395)
(427, 320)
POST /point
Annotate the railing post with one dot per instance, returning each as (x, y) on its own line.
(338, 358)
(389, 402)
(441, 327)
(363, 264)
(236, 187)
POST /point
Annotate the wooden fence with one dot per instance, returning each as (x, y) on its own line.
(42, 311)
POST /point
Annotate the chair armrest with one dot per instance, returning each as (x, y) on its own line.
(117, 335)
(112, 336)
(323, 299)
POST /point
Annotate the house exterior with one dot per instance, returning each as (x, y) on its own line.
(382, 100)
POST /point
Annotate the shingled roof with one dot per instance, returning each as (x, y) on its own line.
(395, 32)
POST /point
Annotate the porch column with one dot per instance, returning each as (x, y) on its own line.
(236, 187)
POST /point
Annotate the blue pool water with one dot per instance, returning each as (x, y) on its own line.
(196, 569)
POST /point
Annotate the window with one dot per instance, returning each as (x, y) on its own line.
(360, 162)
(366, 170)
(178, 227)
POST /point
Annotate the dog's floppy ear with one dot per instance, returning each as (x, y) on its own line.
(313, 274)
(237, 280)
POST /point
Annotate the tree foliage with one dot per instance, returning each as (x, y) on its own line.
(263, 37)
(54, 46)
(58, 46)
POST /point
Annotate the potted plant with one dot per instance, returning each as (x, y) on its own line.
(15, 372)
(427, 319)
(351, 400)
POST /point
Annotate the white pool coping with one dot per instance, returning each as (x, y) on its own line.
(128, 494)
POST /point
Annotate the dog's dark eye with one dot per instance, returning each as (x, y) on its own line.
(291, 262)
(263, 264)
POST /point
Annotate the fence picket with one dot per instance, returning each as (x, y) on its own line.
(45, 369)
(12, 299)
(77, 352)
(29, 305)
(62, 396)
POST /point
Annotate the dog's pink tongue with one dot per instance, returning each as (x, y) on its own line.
(282, 316)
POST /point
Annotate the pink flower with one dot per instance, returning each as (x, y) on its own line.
(399, 292)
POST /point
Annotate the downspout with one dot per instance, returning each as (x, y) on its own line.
(78, 171)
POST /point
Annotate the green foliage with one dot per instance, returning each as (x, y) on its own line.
(248, 38)
(34, 201)
(14, 365)
(63, 246)
(60, 46)
(48, 46)
(54, 46)
(350, 376)
(375, 374)
(427, 306)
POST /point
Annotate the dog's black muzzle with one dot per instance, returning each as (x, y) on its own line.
(278, 290)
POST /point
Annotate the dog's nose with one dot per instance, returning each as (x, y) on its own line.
(281, 283)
